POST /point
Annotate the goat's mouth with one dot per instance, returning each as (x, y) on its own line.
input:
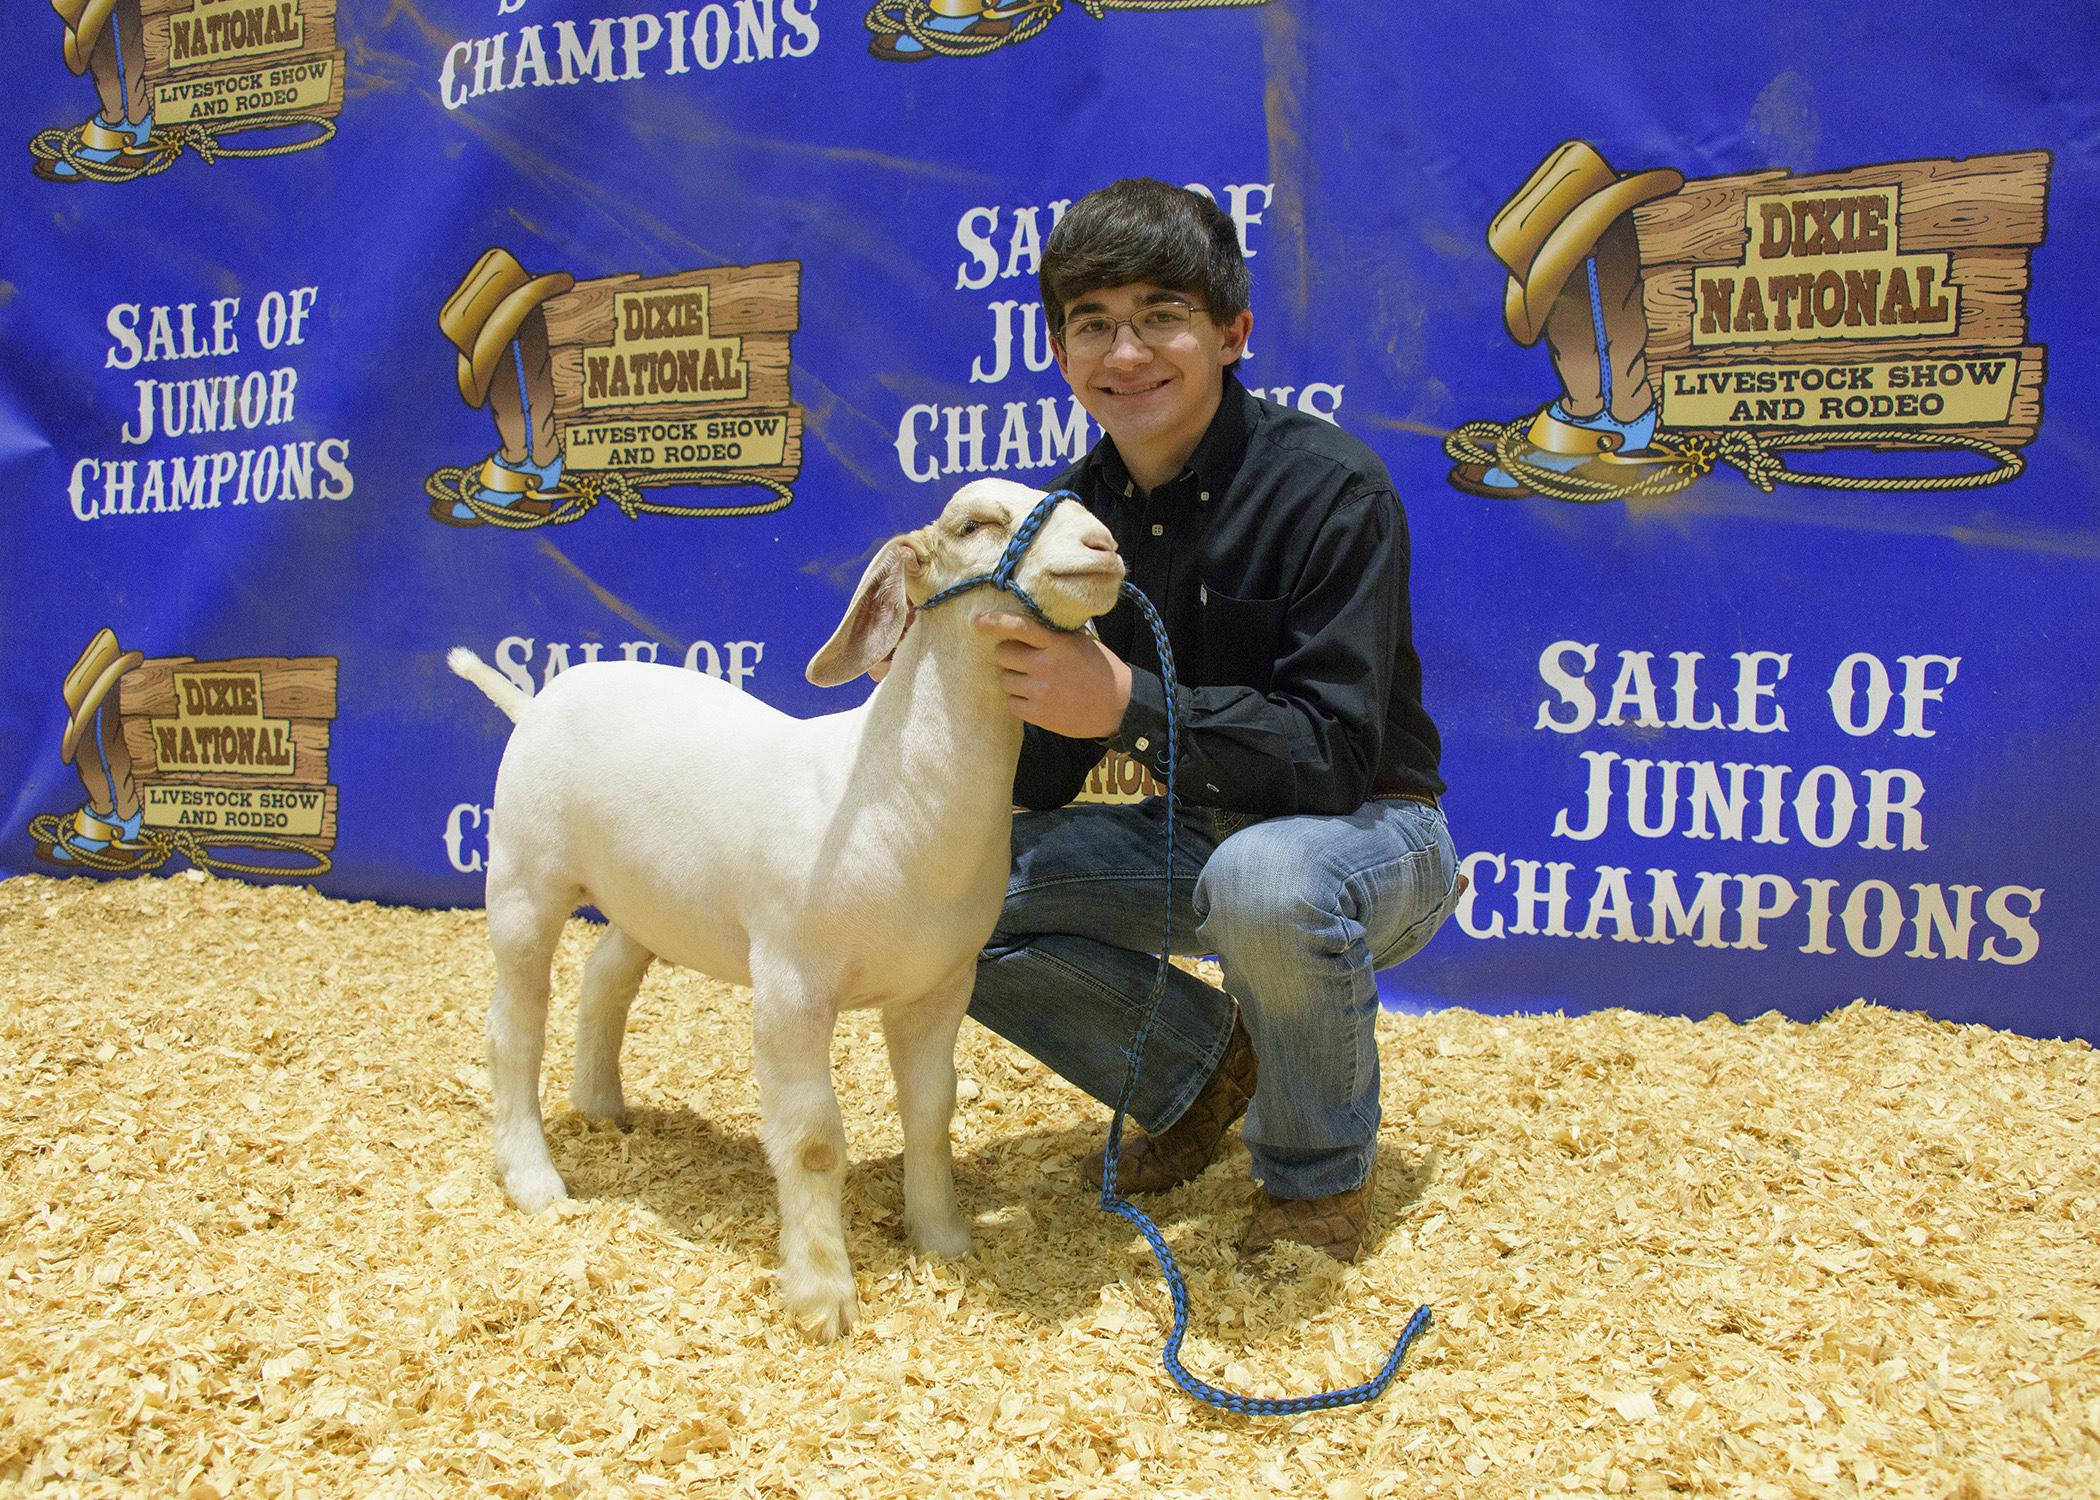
(1089, 588)
(1110, 568)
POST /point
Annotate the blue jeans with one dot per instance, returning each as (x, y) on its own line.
(1301, 913)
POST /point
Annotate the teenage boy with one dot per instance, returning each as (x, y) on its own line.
(1310, 850)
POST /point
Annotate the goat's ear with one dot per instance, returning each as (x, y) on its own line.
(875, 619)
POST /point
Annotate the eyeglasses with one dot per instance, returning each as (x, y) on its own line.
(1157, 325)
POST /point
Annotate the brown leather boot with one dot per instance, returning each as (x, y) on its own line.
(1154, 1163)
(1336, 1224)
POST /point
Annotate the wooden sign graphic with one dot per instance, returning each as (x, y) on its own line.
(1885, 297)
(230, 749)
(1119, 780)
(218, 61)
(679, 374)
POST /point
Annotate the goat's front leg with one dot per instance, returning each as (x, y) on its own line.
(805, 1141)
(921, 1038)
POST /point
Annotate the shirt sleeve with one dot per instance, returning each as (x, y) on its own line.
(1309, 742)
(1053, 768)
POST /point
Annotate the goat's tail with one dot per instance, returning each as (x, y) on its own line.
(502, 692)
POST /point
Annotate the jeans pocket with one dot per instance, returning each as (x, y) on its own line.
(1417, 936)
(1439, 858)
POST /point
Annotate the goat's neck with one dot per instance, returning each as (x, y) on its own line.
(940, 717)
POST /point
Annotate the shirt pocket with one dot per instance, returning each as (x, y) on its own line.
(1242, 638)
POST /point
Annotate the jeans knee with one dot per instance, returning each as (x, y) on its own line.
(1251, 908)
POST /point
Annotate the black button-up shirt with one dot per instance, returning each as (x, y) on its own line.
(1278, 562)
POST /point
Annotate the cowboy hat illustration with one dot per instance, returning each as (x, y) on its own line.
(494, 320)
(1567, 241)
(111, 816)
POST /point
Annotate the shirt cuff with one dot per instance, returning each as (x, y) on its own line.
(1143, 732)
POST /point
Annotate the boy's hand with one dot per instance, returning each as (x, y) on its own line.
(1067, 683)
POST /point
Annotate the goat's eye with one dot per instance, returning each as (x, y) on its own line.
(969, 528)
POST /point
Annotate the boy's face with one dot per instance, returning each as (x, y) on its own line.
(1155, 401)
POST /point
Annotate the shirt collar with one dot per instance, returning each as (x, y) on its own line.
(1217, 456)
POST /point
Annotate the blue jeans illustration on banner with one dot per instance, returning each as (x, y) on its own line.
(1301, 913)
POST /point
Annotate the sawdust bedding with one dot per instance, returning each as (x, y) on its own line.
(250, 1245)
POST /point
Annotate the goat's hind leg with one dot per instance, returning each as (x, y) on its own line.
(524, 927)
(610, 980)
(805, 1141)
(921, 1038)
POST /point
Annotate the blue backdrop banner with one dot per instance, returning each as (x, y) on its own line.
(1737, 370)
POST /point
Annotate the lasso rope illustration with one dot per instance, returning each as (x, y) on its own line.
(1683, 458)
(1029, 17)
(168, 142)
(159, 845)
(580, 492)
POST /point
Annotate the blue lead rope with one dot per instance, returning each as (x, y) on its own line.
(1002, 577)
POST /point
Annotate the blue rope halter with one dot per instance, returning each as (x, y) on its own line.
(1002, 577)
(1002, 574)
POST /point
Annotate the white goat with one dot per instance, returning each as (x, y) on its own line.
(851, 860)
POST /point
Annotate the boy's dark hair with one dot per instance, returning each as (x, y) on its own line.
(1142, 229)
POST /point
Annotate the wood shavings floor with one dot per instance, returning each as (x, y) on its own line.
(250, 1245)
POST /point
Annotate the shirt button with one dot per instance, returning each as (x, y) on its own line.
(1205, 496)
(1143, 743)
(1159, 530)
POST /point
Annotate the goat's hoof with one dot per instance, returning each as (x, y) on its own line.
(825, 1324)
(534, 1190)
(946, 1239)
(600, 1107)
(823, 1311)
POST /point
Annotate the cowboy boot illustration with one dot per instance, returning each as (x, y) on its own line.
(106, 40)
(112, 815)
(494, 319)
(971, 19)
(1568, 242)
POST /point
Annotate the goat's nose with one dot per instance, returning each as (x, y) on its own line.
(1098, 540)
